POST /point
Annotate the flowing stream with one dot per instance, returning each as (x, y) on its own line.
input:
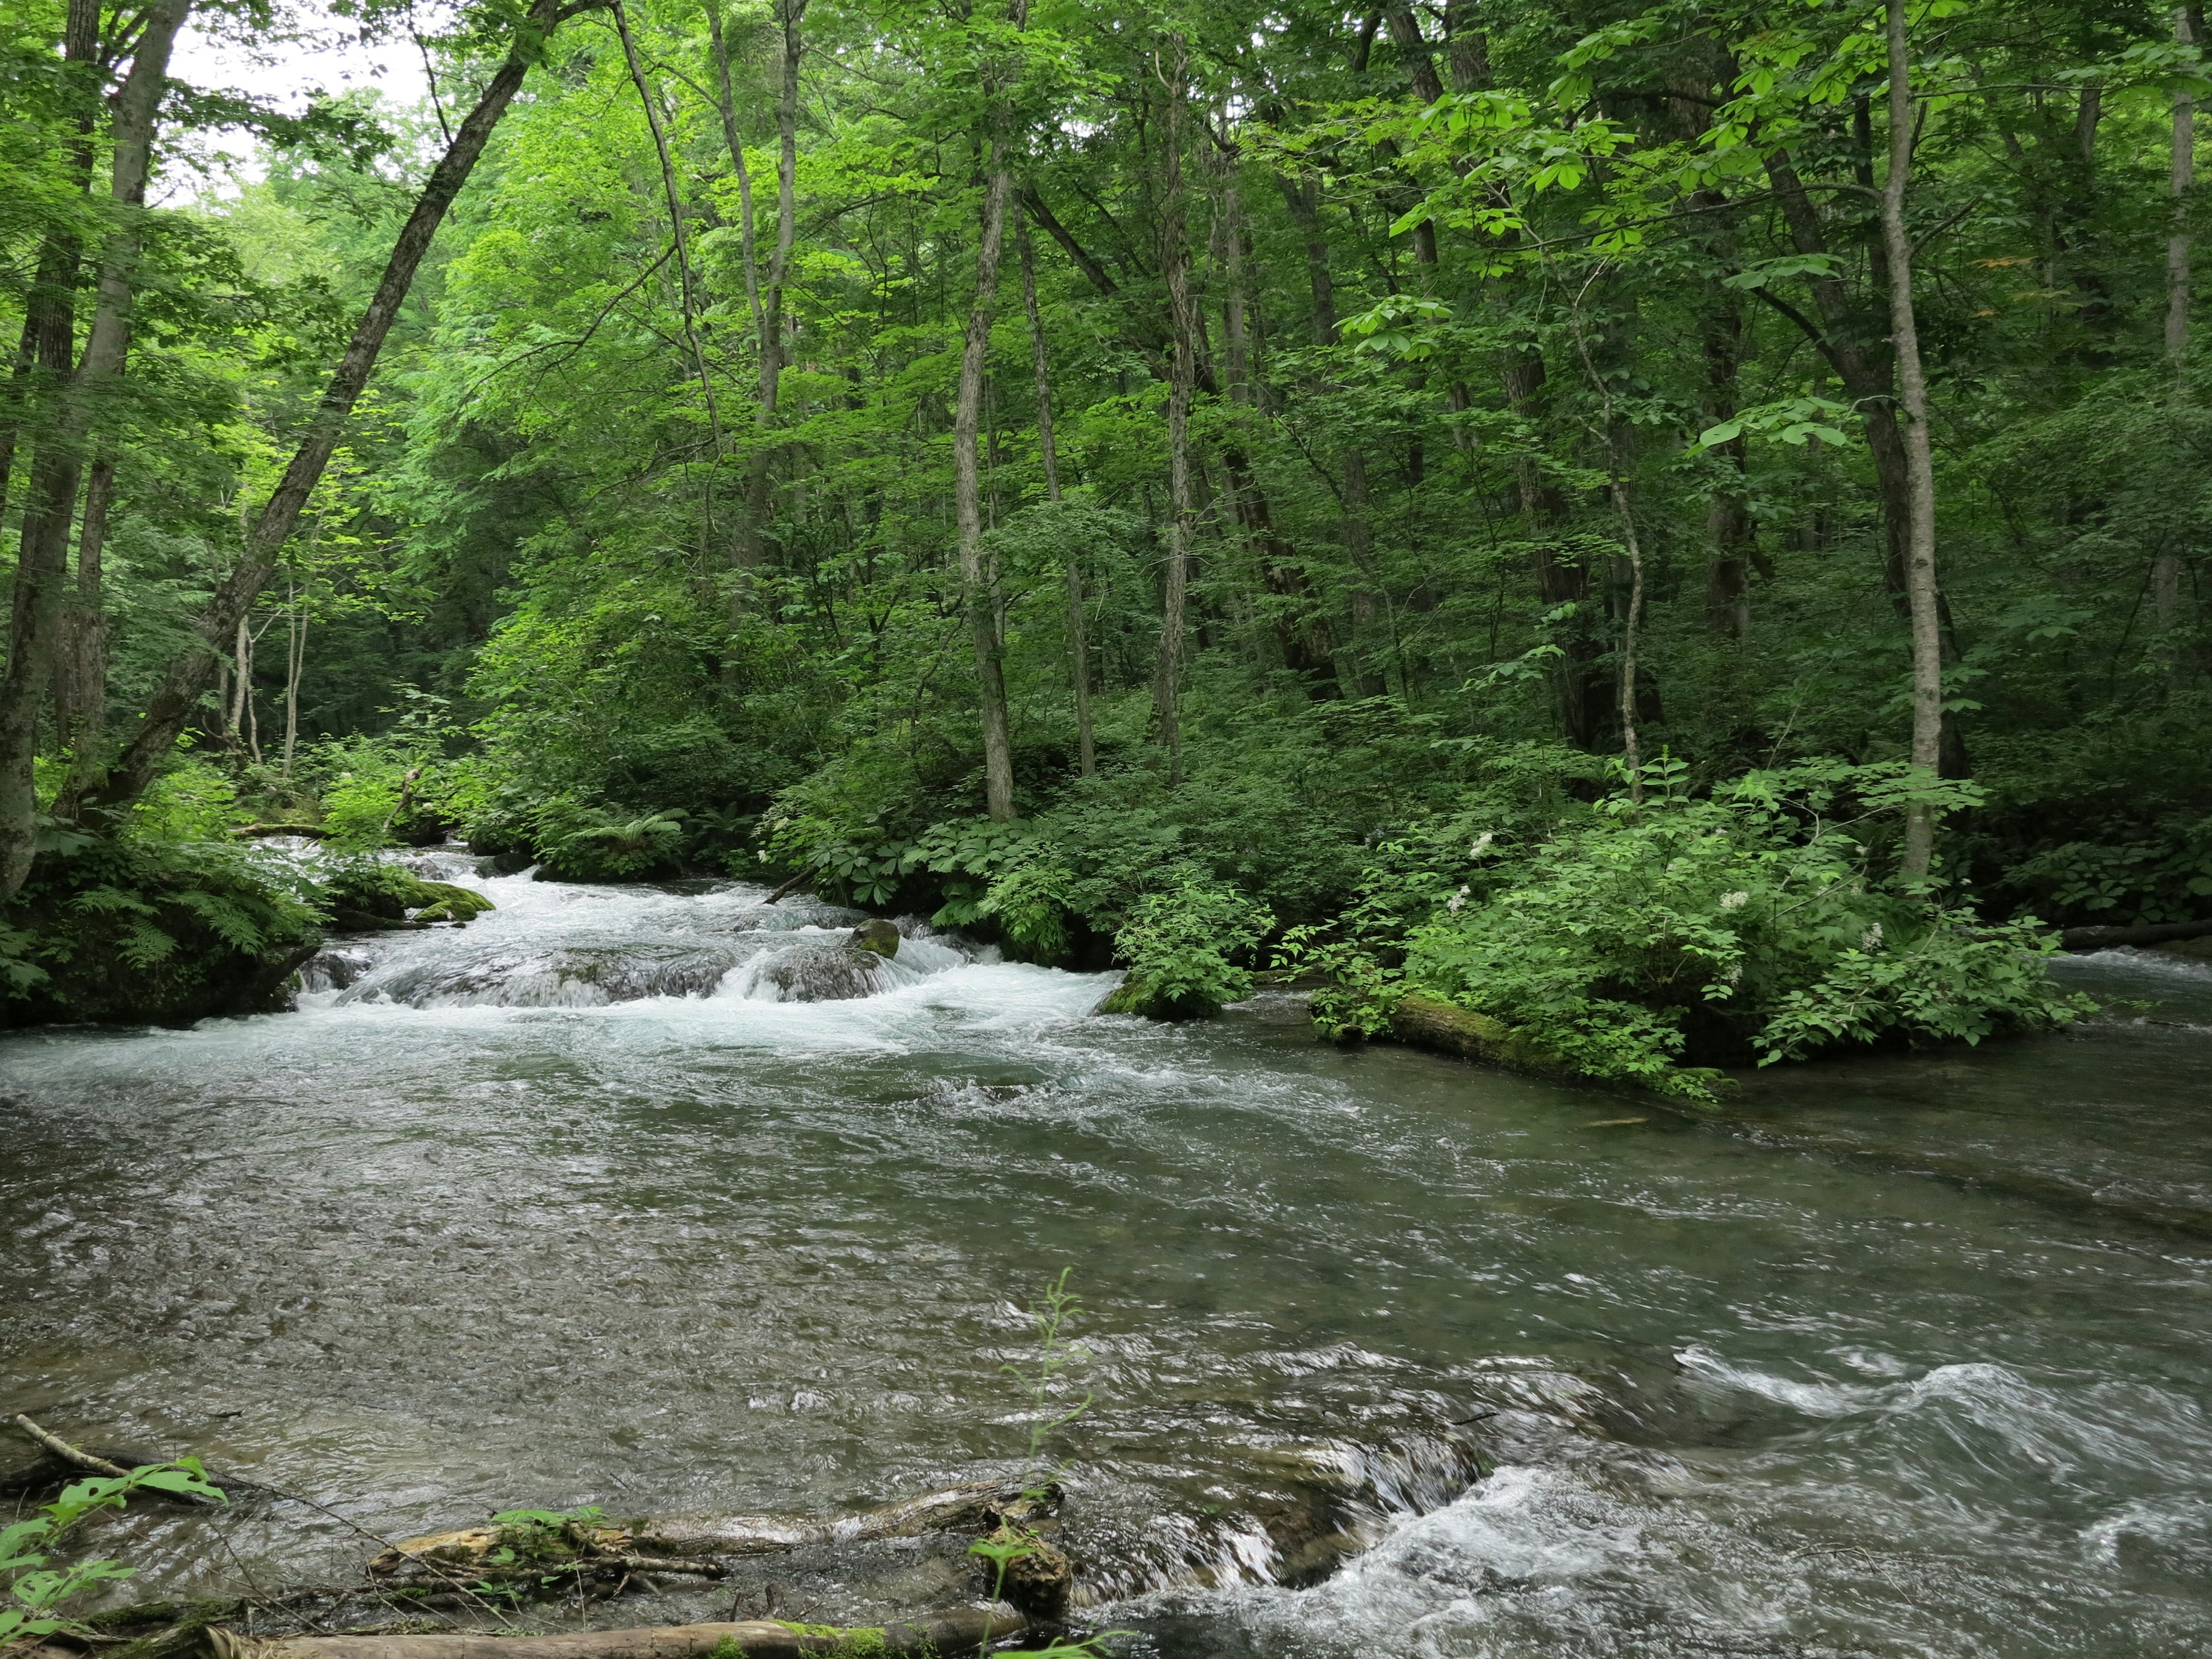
(583, 1204)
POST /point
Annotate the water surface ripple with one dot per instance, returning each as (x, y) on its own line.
(1910, 1357)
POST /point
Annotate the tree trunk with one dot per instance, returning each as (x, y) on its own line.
(1920, 475)
(295, 668)
(727, 108)
(791, 14)
(171, 705)
(2166, 570)
(1302, 198)
(689, 283)
(1730, 530)
(82, 684)
(59, 467)
(1078, 629)
(975, 590)
(1183, 374)
(1561, 582)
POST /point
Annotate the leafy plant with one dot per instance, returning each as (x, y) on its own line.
(1180, 942)
(36, 1591)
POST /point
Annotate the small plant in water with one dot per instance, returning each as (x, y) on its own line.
(1015, 1550)
(36, 1591)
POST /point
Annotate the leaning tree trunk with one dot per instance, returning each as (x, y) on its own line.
(1920, 467)
(56, 473)
(172, 703)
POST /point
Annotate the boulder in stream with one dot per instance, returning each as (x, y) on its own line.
(878, 935)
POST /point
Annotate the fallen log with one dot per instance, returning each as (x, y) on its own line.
(960, 1631)
(2080, 940)
(1427, 1022)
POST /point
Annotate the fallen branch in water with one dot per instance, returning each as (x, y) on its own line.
(75, 1456)
(2082, 940)
(962, 1630)
(810, 870)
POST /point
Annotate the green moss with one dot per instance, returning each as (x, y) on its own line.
(856, 1641)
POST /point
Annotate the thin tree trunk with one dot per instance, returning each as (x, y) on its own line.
(1728, 527)
(791, 14)
(728, 109)
(975, 590)
(689, 286)
(1077, 630)
(1630, 755)
(2166, 571)
(172, 703)
(1920, 476)
(59, 467)
(295, 664)
(82, 689)
(1302, 198)
(1183, 374)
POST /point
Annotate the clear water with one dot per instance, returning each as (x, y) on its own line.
(1906, 1356)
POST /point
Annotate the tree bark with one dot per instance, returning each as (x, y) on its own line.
(727, 108)
(56, 472)
(1183, 374)
(1302, 198)
(975, 590)
(1920, 467)
(2166, 569)
(172, 703)
(689, 283)
(83, 683)
(790, 14)
(1561, 582)
(1078, 621)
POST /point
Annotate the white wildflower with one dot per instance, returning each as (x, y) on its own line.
(1734, 901)
(1871, 940)
(1457, 899)
(1734, 973)
(1481, 844)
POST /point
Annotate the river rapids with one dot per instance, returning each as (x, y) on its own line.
(663, 1198)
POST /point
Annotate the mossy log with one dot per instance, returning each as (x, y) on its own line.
(961, 1630)
(1427, 1022)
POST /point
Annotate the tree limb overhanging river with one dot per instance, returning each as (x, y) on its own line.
(1906, 1356)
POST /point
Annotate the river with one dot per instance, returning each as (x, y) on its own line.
(1906, 1356)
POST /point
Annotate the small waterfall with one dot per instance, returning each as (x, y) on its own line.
(557, 944)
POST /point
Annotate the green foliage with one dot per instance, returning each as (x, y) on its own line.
(1702, 930)
(1182, 943)
(34, 1590)
(145, 927)
(585, 843)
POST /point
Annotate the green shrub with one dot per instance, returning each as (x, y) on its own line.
(1180, 942)
(585, 843)
(1747, 924)
(147, 928)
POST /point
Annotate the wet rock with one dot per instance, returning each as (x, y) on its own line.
(1026, 1570)
(878, 935)
(333, 969)
(822, 973)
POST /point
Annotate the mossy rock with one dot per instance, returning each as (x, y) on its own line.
(1134, 996)
(880, 936)
(441, 900)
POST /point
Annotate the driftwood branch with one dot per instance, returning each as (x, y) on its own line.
(810, 870)
(75, 1456)
(962, 1630)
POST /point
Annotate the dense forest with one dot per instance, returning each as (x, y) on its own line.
(1677, 535)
